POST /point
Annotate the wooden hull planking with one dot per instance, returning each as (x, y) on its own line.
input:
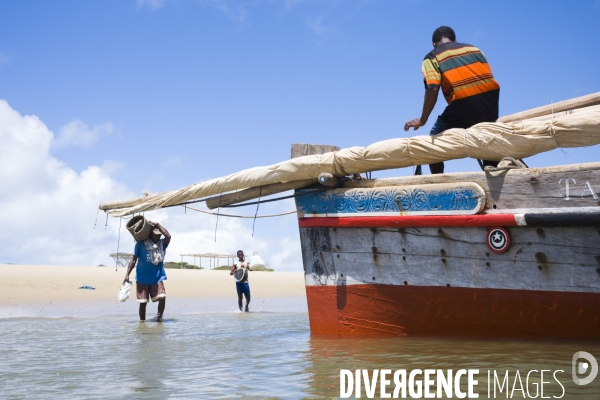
(428, 269)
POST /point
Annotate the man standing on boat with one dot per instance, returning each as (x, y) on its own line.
(149, 255)
(467, 83)
(240, 272)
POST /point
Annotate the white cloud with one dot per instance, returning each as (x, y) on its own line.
(77, 133)
(235, 11)
(152, 4)
(47, 210)
(172, 161)
(4, 59)
(111, 166)
(291, 3)
(317, 28)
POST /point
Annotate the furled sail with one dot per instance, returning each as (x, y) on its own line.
(488, 141)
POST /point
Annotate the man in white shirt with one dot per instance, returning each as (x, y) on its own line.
(241, 284)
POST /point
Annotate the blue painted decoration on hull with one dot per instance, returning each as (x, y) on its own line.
(466, 198)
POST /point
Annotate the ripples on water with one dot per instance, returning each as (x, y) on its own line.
(232, 355)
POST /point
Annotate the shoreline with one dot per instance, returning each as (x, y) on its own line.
(47, 290)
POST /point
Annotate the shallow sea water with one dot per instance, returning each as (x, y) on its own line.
(222, 353)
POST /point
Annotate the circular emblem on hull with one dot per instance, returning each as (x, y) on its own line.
(498, 240)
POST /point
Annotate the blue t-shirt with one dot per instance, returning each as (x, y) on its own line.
(146, 272)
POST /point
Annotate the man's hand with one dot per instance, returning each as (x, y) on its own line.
(162, 230)
(414, 123)
(431, 95)
(126, 279)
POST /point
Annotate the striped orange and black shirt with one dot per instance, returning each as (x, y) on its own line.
(467, 83)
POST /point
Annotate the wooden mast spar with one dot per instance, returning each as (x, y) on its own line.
(588, 102)
(298, 150)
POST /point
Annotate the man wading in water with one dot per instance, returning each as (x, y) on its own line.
(242, 285)
(149, 255)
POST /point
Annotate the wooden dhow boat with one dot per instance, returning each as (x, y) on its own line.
(503, 253)
(509, 251)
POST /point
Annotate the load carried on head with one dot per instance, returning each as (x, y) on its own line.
(139, 227)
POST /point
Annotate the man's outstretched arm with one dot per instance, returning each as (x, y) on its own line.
(130, 268)
(431, 95)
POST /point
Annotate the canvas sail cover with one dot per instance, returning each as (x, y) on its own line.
(487, 141)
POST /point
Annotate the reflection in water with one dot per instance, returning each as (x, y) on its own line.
(148, 354)
(215, 355)
(328, 355)
(230, 355)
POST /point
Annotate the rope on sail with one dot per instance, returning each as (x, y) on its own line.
(241, 216)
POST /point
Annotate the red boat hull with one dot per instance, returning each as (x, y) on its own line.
(376, 309)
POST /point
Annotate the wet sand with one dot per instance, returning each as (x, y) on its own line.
(39, 289)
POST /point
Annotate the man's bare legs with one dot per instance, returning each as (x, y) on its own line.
(161, 310)
(240, 301)
(143, 311)
(247, 302)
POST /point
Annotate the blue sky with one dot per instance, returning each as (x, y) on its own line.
(161, 94)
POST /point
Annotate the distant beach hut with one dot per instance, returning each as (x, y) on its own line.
(213, 259)
(122, 259)
(256, 261)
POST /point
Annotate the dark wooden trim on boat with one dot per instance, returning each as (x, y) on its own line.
(563, 219)
(516, 188)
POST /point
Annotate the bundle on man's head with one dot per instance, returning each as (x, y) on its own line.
(140, 228)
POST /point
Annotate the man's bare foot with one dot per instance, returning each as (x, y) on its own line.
(156, 318)
(246, 309)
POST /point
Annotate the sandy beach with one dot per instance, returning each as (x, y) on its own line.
(41, 289)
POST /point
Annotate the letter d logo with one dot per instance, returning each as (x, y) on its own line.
(582, 367)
